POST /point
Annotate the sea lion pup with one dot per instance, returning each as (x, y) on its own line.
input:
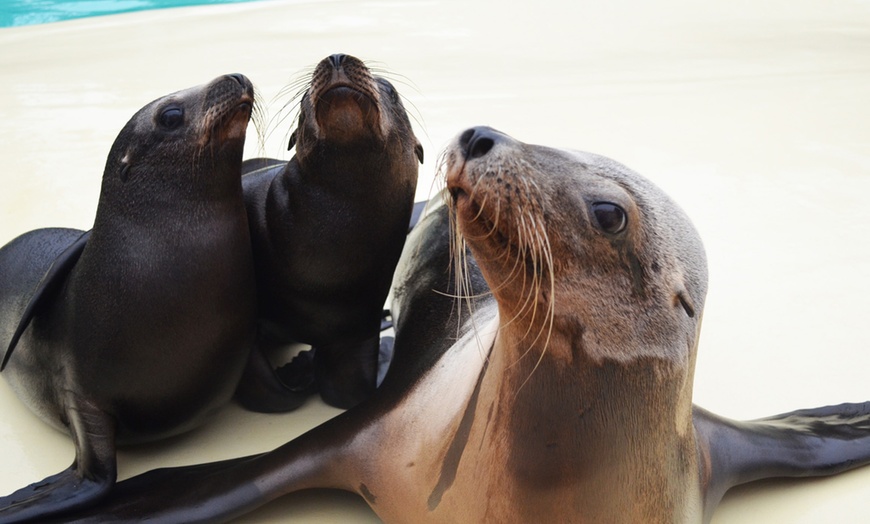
(561, 393)
(141, 327)
(327, 230)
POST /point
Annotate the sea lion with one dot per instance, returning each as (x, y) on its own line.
(141, 327)
(327, 229)
(548, 378)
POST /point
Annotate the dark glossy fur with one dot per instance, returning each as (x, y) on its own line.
(328, 227)
(140, 328)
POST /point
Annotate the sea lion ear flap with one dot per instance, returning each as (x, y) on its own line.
(682, 296)
(686, 302)
(292, 140)
(418, 150)
(124, 171)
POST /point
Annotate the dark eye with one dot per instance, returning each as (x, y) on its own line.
(391, 91)
(172, 118)
(610, 217)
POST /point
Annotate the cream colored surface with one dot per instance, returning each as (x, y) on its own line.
(755, 116)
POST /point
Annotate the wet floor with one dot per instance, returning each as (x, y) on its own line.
(753, 116)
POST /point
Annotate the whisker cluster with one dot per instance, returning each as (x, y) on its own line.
(511, 210)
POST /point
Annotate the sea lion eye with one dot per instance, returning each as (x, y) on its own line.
(610, 217)
(172, 118)
(391, 91)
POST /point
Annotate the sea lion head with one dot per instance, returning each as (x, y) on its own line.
(187, 143)
(579, 245)
(347, 107)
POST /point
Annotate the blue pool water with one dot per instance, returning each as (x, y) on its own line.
(27, 12)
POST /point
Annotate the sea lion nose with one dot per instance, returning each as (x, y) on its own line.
(337, 59)
(238, 78)
(478, 141)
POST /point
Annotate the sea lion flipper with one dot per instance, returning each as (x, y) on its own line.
(47, 289)
(804, 443)
(90, 477)
(201, 493)
(262, 390)
(346, 373)
(220, 491)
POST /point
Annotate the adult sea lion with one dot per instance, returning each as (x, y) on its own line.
(556, 388)
(141, 327)
(327, 229)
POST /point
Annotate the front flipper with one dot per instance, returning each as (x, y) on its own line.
(47, 289)
(347, 374)
(261, 390)
(804, 443)
(90, 477)
(221, 491)
(213, 492)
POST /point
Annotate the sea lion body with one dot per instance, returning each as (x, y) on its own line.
(546, 378)
(328, 226)
(147, 329)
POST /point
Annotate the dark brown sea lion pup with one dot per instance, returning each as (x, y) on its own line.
(141, 327)
(557, 388)
(327, 229)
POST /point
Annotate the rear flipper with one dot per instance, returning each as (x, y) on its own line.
(90, 477)
(260, 388)
(346, 374)
(56, 250)
(804, 443)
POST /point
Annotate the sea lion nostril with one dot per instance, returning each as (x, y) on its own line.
(238, 78)
(465, 138)
(477, 142)
(337, 59)
(480, 146)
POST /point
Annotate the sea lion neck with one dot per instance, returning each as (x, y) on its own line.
(363, 168)
(594, 412)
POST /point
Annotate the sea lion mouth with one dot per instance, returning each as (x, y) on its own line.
(344, 112)
(480, 220)
(230, 104)
(232, 123)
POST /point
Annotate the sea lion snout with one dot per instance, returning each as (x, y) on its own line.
(228, 104)
(229, 89)
(345, 98)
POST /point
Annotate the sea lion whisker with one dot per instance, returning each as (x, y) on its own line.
(457, 245)
(258, 118)
(462, 276)
(299, 80)
(393, 76)
(416, 116)
(457, 248)
(541, 264)
(545, 252)
(290, 109)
